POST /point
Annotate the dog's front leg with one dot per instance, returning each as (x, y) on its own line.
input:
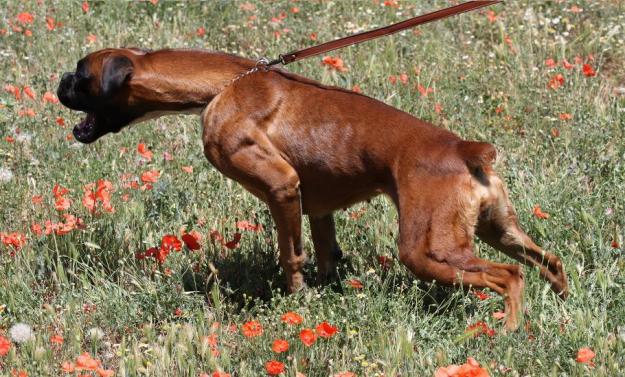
(327, 249)
(286, 209)
(244, 153)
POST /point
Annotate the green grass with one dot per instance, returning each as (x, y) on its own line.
(489, 89)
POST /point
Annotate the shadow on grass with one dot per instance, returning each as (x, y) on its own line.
(252, 276)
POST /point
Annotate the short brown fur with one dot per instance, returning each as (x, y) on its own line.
(306, 148)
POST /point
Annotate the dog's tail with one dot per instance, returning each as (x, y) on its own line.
(477, 154)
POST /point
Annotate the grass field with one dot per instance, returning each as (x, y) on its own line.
(540, 80)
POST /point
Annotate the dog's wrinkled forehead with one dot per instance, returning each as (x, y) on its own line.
(91, 65)
(82, 68)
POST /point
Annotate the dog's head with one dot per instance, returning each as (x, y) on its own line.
(100, 88)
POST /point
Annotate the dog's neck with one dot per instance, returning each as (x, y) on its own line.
(197, 78)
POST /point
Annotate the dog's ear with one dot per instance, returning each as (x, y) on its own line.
(116, 70)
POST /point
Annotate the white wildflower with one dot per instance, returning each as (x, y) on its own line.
(5, 175)
(95, 333)
(21, 333)
(24, 137)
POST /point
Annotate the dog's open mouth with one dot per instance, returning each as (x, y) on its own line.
(85, 131)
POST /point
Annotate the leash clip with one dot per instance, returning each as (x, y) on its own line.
(262, 64)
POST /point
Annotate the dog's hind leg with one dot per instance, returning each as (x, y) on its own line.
(461, 267)
(327, 249)
(498, 226)
(436, 241)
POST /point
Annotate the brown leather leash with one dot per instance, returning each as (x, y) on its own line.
(375, 33)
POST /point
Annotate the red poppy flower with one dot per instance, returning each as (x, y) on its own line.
(313, 36)
(356, 89)
(334, 63)
(555, 132)
(550, 63)
(325, 330)
(470, 369)
(355, 215)
(85, 6)
(50, 23)
(191, 240)
(50, 98)
(355, 283)
(588, 70)
(246, 225)
(392, 79)
(68, 367)
(403, 78)
(36, 228)
(59, 191)
(187, 169)
(60, 121)
(150, 176)
(27, 112)
(252, 329)
(491, 15)
(291, 318)
(13, 90)
(86, 362)
(62, 204)
(29, 92)
(556, 82)
(480, 295)
(234, 242)
(211, 339)
(92, 38)
(200, 32)
(614, 244)
(479, 328)
(585, 356)
(178, 312)
(438, 108)
(25, 18)
(424, 91)
(274, 367)
(15, 239)
(161, 255)
(216, 236)
(144, 151)
(5, 346)
(538, 212)
(220, 374)
(280, 345)
(567, 65)
(566, 116)
(171, 242)
(308, 337)
(56, 339)
(385, 261)
(576, 9)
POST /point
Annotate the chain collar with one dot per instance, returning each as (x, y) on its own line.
(262, 65)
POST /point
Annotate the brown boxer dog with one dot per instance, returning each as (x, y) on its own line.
(307, 148)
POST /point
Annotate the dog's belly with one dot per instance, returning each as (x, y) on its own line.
(323, 196)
